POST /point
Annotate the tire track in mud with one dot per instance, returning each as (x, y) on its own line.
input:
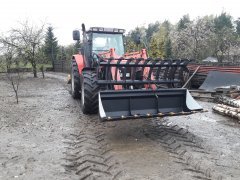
(88, 155)
(185, 148)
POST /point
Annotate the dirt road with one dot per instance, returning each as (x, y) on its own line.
(46, 136)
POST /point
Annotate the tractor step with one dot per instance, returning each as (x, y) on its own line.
(125, 104)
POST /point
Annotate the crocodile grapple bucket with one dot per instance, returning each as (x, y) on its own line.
(155, 93)
(127, 104)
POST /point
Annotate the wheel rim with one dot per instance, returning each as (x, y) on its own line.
(82, 93)
(72, 82)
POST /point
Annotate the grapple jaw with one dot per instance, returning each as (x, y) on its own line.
(126, 104)
(138, 87)
(151, 73)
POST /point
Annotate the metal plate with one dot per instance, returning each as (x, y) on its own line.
(145, 103)
(216, 79)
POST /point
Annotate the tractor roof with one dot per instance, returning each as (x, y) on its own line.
(106, 30)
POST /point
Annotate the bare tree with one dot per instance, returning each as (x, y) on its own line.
(28, 39)
(14, 78)
(10, 58)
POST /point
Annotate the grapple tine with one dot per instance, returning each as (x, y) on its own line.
(167, 64)
(108, 68)
(116, 70)
(173, 69)
(154, 62)
(134, 69)
(157, 73)
(125, 69)
(164, 72)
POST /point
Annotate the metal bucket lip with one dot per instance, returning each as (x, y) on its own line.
(114, 118)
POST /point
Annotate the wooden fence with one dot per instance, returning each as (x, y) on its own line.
(62, 66)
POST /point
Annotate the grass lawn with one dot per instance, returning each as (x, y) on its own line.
(3, 67)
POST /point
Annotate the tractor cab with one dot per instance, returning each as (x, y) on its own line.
(103, 41)
(98, 40)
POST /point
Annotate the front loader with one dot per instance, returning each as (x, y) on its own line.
(120, 85)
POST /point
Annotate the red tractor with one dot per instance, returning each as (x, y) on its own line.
(120, 85)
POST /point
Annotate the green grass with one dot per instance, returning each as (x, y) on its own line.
(3, 67)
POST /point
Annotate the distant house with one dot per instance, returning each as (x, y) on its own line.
(210, 59)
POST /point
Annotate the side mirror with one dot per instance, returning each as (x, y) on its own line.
(137, 39)
(76, 35)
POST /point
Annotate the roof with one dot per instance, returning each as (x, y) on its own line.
(106, 30)
(210, 59)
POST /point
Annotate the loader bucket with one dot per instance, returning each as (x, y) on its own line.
(125, 104)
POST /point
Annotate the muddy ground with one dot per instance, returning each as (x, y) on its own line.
(46, 136)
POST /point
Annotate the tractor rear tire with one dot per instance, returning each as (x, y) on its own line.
(75, 81)
(89, 92)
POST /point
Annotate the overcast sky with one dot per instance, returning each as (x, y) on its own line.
(66, 15)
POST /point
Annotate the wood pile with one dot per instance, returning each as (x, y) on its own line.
(228, 91)
(227, 111)
(230, 102)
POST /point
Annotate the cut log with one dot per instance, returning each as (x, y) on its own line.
(228, 101)
(227, 111)
(234, 109)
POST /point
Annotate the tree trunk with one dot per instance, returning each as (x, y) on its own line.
(34, 66)
(53, 65)
(15, 87)
(43, 74)
(16, 93)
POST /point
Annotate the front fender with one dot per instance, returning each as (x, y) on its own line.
(80, 62)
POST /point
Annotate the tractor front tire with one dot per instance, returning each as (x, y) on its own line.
(75, 81)
(89, 92)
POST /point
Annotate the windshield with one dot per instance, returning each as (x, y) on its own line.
(103, 42)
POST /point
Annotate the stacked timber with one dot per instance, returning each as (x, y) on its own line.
(227, 111)
(228, 101)
(232, 91)
(229, 107)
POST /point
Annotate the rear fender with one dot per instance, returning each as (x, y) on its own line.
(80, 62)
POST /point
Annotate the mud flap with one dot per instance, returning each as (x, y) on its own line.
(125, 104)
